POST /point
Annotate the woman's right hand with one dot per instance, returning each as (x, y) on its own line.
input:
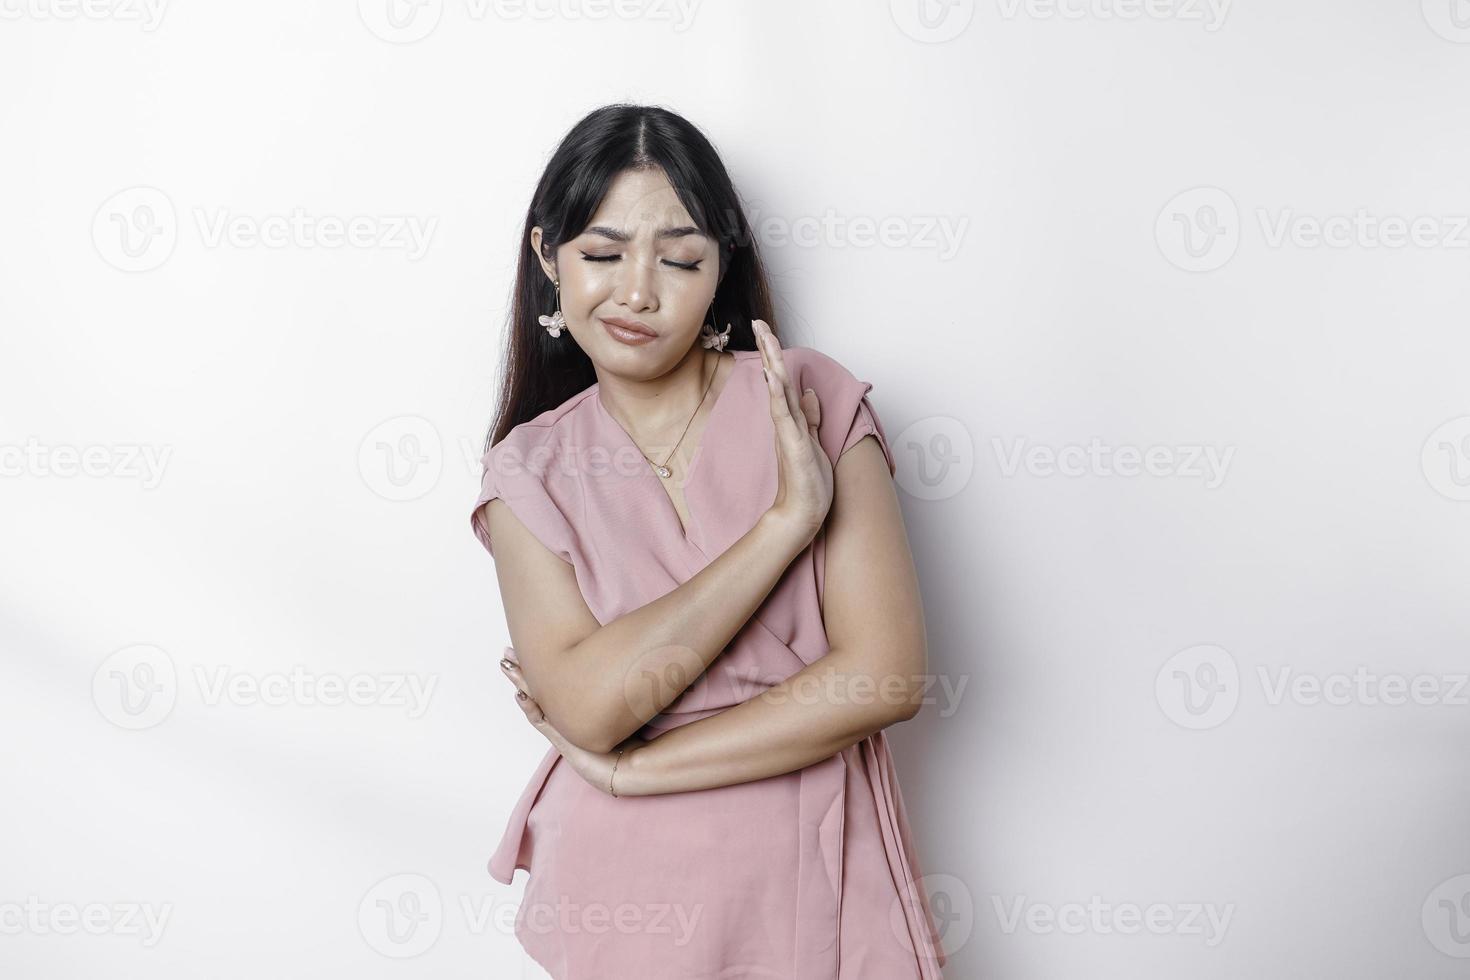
(803, 471)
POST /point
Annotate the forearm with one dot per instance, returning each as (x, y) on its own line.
(635, 666)
(811, 716)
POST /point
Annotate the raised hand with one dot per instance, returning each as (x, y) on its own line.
(803, 471)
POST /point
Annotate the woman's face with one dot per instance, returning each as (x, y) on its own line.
(640, 259)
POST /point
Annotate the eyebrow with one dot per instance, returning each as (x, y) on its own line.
(618, 235)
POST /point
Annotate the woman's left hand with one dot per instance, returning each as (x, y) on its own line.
(595, 767)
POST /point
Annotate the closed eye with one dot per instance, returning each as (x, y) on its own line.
(688, 266)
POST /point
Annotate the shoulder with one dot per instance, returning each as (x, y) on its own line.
(535, 446)
(847, 412)
(811, 367)
(825, 374)
(522, 470)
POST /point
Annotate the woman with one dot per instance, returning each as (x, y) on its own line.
(713, 608)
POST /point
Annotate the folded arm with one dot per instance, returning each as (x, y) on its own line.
(598, 685)
(871, 678)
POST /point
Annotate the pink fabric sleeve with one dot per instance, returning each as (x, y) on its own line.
(866, 423)
(507, 474)
(847, 413)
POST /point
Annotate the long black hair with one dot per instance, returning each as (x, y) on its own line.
(540, 371)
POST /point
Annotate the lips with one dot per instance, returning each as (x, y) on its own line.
(637, 326)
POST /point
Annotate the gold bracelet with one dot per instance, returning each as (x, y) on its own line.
(613, 775)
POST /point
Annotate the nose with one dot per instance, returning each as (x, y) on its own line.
(635, 286)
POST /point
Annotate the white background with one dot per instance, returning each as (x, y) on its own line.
(1132, 193)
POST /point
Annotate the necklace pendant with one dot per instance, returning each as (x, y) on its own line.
(663, 471)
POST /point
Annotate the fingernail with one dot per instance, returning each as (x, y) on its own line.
(520, 695)
(506, 664)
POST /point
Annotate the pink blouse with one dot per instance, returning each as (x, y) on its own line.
(811, 875)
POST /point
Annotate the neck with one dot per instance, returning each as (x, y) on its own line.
(655, 410)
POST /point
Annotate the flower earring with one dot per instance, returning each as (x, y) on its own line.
(709, 338)
(555, 323)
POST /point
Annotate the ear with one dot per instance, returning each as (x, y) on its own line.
(549, 267)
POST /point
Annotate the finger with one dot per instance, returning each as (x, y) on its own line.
(812, 408)
(512, 671)
(532, 710)
(780, 406)
(776, 368)
(788, 385)
(763, 338)
(776, 363)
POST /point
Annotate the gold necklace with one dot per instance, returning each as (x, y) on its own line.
(661, 468)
